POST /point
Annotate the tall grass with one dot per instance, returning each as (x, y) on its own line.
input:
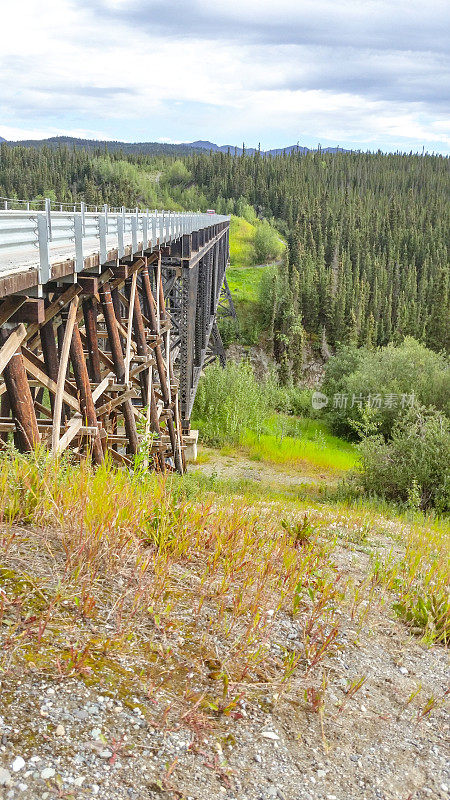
(233, 409)
(242, 248)
(172, 602)
(228, 402)
(99, 566)
(317, 453)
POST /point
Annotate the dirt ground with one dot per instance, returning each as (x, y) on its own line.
(314, 738)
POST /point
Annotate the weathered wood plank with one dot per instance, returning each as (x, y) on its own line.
(55, 308)
(9, 307)
(44, 380)
(39, 364)
(62, 371)
(72, 429)
(106, 408)
(12, 344)
(99, 390)
(30, 311)
(130, 328)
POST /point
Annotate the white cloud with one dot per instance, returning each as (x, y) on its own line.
(127, 70)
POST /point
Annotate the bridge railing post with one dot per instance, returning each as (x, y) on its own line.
(120, 236)
(48, 214)
(44, 253)
(134, 235)
(83, 217)
(145, 230)
(78, 234)
(102, 230)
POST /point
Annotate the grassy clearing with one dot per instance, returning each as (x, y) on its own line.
(300, 443)
(244, 283)
(243, 422)
(247, 242)
(245, 275)
(242, 248)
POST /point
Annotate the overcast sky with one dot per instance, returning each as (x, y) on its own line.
(365, 74)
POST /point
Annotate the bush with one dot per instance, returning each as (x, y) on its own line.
(228, 401)
(177, 173)
(414, 466)
(268, 245)
(408, 370)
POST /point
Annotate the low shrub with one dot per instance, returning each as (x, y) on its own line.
(413, 467)
(228, 401)
(268, 244)
(370, 390)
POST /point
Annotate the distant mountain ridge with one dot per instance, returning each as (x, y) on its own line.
(159, 148)
(224, 148)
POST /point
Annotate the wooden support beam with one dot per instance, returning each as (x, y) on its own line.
(5, 411)
(54, 308)
(30, 311)
(84, 387)
(11, 344)
(42, 410)
(72, 430)
(20, 399)
(64, 360)
(9, 306)
(90, 322)
(88, 283)
(41, 372)
(119, 364)
(121, 459)
(99, 390)
(120, 271)
(50, 353)
(130, 327)
(42, 379)
(106, 408)
(161, 366)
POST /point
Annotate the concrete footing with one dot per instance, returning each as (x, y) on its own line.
(190, 444)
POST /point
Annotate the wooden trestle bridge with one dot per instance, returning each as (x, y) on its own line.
(106, 320)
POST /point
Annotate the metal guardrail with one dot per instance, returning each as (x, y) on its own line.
(88, 232)
(45, 203)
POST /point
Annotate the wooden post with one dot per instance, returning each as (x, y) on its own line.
(50, 354)
(141, 344)
(5, 411)
(163, 377)
(20, 399)
(90, 323)
(179, 456)
(119, 363)
(84, 387)
(130, 327)
(64, 358)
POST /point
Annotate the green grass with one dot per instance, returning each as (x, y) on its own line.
(244, 283)
(242, 251)
(299, 442)
(244, 280)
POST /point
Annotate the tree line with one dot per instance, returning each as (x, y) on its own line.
(367, 259)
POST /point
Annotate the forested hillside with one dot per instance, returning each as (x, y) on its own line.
(368, 240)
(367, 261)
